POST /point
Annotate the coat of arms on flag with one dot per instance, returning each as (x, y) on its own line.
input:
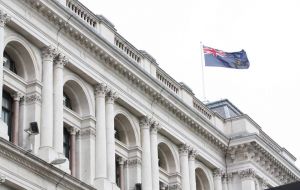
(217, 58)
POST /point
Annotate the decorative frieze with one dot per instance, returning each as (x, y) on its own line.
(4, 18)
(247, 174)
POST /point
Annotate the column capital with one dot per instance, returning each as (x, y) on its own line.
(155, 127)
(17, 96)
(49, 52)
(192, 154)
(145, 122)
(100, 89)
(61, 60)
(247, 174)
(217, 172)
(2, 178)
(73, 130)
(184, 149)
(4, 18)
(121, 161)
(111, 96)
(264, 183)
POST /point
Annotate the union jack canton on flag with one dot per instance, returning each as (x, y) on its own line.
(217, 58)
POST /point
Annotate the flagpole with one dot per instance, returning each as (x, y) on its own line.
(203, 77)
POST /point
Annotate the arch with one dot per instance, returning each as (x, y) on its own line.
(167, 158)
(202, 179)
(80, 100)
(125, 129)
(25, 59)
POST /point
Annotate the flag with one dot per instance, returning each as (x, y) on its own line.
(217, 58)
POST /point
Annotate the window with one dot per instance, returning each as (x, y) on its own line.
(67, 101)
(9, 63)
(66, 143)
(7, 111)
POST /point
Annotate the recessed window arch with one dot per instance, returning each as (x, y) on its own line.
(9, 63)
(67, 101)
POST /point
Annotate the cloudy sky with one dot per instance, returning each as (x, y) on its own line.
(269, 31)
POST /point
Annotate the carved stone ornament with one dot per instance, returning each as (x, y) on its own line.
(155, 127)
(145, 122)
(4, 18)
(133, 162)
(87, 132)
(247, 174)
(100, 89)
(111, 96)
(33, 98)
(217, 172)
(192, 154)
(61, 60)
(49, 52)
(17, 96)
(184, 149)
(2, 178)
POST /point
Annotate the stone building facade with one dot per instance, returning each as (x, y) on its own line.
(84, 109)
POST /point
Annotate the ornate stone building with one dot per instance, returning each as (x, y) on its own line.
(83, 109)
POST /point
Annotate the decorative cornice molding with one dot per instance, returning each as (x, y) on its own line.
(4, 18)
(100, 89)
(247, 174)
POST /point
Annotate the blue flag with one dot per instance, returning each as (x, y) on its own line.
(217, 58)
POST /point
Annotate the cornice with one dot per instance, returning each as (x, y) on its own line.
(253, 151)
(214, 136)
(40, 167)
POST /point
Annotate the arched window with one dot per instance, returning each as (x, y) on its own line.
(9, 63)
(67, 101)
(66, 143)
(7, 111)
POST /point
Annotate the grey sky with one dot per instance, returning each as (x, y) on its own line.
(269, 30)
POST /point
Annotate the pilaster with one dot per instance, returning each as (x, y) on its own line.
(154, 153)
(247, 177)
(217, 175)
(192, 174)
(184, 166)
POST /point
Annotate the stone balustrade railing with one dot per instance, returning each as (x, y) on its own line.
(198, 105)
(82, 12)
(168, 81)
(128, 49)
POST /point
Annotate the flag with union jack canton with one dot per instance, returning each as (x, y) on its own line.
(217, 58)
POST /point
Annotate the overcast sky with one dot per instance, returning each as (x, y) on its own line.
(268, 30)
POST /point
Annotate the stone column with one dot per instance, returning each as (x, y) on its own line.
(192, 169)
(224, 182)
(73, 164)
(145, 124)
(110, 135)
(154, 154)
(247, 177)
(101, 153)
(46, 142)
(15, 120)
(58, 106)
(217, 173)
(184, 166)
(122, 179)
(229, 181)
(4, 18)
